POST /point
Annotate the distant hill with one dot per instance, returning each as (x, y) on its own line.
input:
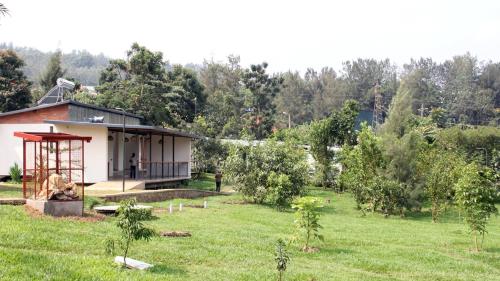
(80, 65)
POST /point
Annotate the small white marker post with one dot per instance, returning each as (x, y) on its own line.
(170, 208)
(180, 207)
(205, 204)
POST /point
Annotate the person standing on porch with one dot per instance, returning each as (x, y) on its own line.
(218, 180)
(133, 165)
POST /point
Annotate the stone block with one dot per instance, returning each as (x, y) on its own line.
(57, 208)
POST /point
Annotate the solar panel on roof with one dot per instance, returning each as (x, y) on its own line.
(56, 94)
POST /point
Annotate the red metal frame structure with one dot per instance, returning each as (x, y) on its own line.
(48, 153)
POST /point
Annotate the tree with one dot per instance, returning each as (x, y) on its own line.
(224, 97)
(142, 85)
(260, 110)
(400, 113)
(53, 71)
(14, 87)
(293, 99)
(307, 219)
(364, 75)
(251, 169)
(130, 221)
(362, 164)
(337, 129)
(441, 169)
(476, 193)
(282, 258)
(186, 86)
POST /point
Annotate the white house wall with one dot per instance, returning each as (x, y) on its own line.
(96, 152)
(11, 148)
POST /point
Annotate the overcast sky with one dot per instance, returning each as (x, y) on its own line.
(289, 35)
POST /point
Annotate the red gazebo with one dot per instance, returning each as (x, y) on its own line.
(45, 154)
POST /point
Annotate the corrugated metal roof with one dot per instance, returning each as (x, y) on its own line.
(143, 129)
(72, 102)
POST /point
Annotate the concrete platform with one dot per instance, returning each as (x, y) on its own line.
(12, 201)
(113, 208)
(161, 195)
(57, 208)
(116, 185)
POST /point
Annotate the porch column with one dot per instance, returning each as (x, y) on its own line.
(150, 155)
(162, 154)
(173, 156)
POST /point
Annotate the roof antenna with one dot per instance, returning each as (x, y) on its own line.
(56, 94)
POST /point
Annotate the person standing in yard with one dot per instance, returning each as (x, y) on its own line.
(133, 165)
(218, 180)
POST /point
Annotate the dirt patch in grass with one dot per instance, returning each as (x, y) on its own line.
(87, 216)
(175, 233)
(310, 249)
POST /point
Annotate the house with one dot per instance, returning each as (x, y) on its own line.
(163, 155)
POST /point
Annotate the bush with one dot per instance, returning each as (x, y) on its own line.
(15, 173)
(271, 172)
(475, 193)
(307, 219)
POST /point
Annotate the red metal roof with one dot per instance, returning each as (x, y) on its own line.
(37, 136)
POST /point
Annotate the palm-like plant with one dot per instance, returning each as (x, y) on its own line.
(3, 10)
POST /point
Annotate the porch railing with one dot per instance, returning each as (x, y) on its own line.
(161, 170)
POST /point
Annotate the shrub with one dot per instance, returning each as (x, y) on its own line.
(475, 193)
(15, 173)
(280, 189)
(307, 219)
(442, 170)
(250, 168)
(130, 221)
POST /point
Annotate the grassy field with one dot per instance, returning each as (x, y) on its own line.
(233, 241)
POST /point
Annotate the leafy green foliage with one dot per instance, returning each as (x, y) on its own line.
(442, 170)
(479, 143)
(130, 221)
(476, 193)
(307, 219)
(362, 163)
(141, 85)
(259, 107)
(15, 173)
(281, 257)
(337, 129)
(250, 168)
(14, 87)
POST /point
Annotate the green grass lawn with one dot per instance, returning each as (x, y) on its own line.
(11, 190)
(236, 242)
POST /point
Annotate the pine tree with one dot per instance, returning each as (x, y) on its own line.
(52, 72)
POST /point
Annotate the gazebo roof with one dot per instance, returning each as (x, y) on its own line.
(39, 136)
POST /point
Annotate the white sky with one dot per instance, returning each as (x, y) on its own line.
(287, 34)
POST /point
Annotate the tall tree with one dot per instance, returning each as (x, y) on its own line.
(14, 86)
(191, 98)
(293, 99)
(141, 85)
(422, 79)
(260, 110)
(400, 113)
(363, 75)
(52, 72)
(465, 101)
(224, 97)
